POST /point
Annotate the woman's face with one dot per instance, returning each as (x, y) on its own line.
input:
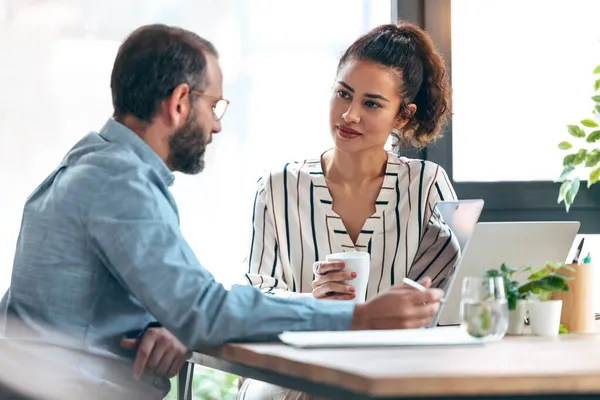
(364, 106)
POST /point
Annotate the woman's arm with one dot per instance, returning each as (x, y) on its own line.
(438, 248)
(264, 268)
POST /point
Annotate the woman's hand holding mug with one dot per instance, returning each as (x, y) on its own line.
(342, 276)
(328, 283)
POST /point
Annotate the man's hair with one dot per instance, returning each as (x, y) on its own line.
(151, 63)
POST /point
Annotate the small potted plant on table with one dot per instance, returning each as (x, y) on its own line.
(544, 313)
(533, 297)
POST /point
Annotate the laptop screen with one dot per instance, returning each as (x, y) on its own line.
(443, 242)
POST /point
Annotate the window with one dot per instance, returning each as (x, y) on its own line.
(534, 72)
(521, 71)
(278, 59)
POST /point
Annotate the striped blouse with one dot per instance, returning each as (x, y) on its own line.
(294, 225)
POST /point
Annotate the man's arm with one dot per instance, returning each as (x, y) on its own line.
(133, 226)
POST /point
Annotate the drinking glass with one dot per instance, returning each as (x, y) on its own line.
(484, 308)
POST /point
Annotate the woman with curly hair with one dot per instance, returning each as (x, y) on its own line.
(357, 196)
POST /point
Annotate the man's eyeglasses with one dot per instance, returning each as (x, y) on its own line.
(220, 105)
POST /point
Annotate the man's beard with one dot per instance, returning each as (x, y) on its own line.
(187, 147)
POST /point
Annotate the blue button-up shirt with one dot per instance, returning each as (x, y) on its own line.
(100, 253)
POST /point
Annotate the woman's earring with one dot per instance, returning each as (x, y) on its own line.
(393, 140)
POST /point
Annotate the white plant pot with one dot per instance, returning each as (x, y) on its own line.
(544, 317)
(516, 318)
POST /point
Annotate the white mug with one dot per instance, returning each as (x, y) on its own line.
(356, 261)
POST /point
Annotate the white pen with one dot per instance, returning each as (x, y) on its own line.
(414, 284)
(417, 286)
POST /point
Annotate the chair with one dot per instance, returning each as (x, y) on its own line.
(184, 381)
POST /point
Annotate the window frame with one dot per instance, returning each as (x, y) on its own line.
(504, 200)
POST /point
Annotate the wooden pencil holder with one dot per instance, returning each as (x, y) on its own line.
(578, 302)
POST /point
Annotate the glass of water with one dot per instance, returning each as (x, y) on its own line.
(484, 308)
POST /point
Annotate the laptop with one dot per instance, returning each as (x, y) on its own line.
(513, 243)
(461, 216)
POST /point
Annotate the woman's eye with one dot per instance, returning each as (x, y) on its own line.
(372, 104)
(343, 94)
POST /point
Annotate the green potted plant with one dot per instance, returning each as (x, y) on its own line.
(515, 298)
(544, 314)
(583, 157)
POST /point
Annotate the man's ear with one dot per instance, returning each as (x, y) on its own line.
(178, 105)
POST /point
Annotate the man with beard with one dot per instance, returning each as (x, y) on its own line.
(100, 253)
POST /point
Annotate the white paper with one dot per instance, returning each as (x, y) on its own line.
(443, 336)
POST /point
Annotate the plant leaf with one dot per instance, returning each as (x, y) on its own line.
(565, 277)
(590, 123)
(568, 268)
(562, 329)
(538, 275)
(566, 145)
(492, 273)
(566, 172)
(568, 205)
(556, 266)
(597, 70)
(592, 158)
(573, 189)
(564, 188)
(544, 294)
(509, 271)
(526, 288)
(525, 268)
(593, 137)
(596, 85)
(597, 107)
(594, 176)
(568, 159)
(544, 285)
(580, 157)
(575, 130)
(596, 99)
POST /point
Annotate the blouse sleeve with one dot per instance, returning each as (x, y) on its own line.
(264, 268)
(438, 249)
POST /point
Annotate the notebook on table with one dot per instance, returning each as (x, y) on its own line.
(444, 336)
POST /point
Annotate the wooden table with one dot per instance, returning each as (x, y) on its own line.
(530, 367)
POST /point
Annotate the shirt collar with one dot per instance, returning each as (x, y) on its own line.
(116, 132)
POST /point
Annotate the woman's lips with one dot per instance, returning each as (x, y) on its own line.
(347, 133)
